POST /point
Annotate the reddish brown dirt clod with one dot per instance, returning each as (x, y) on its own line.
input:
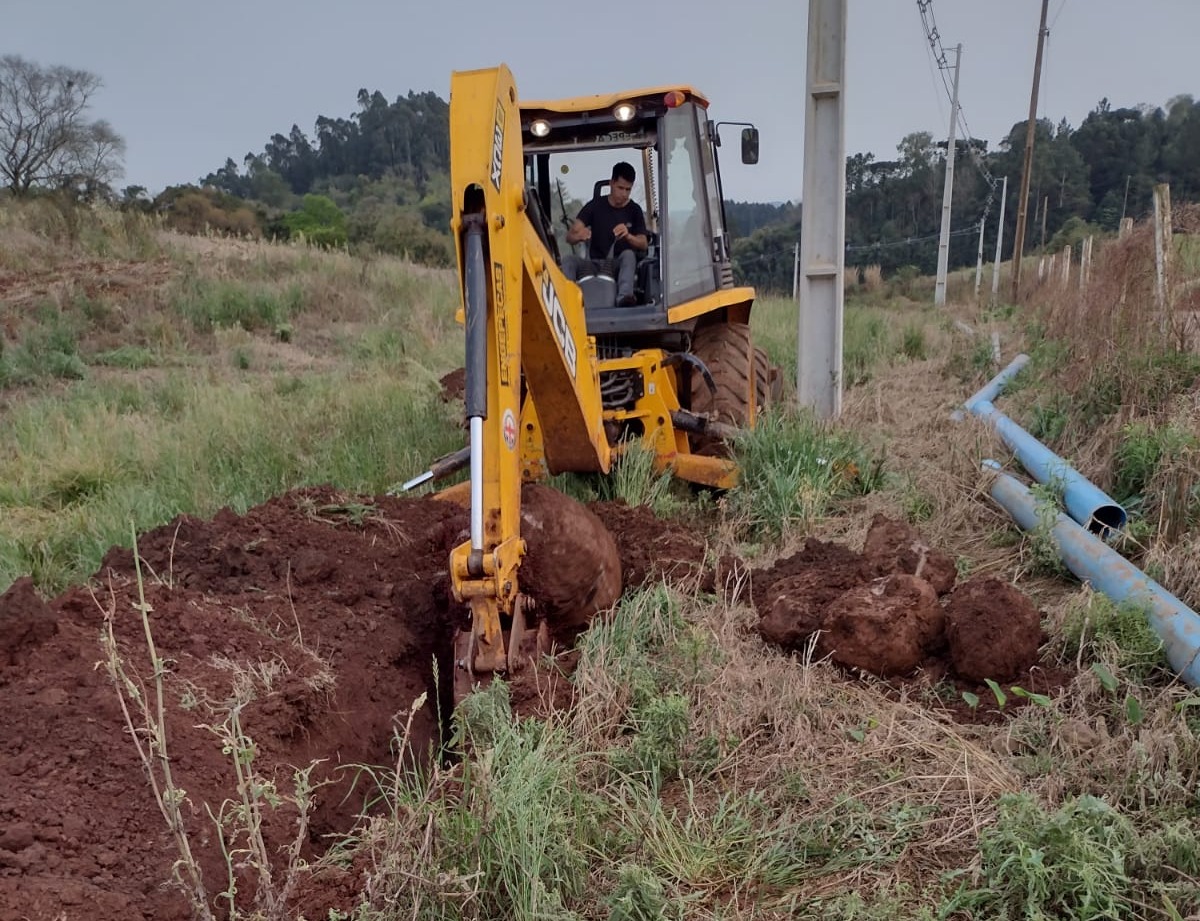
(453, 385)
(651, 548)
(895, 546)
(992, 629)
(571, 568)
(792, 596)
(886, 627)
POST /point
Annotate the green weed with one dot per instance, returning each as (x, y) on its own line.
(1044, 556)
(1039, 865)
(865, 344)
(46, 348)
(912, 342)
(1096, 629)
(127, 357)
(212, 304)
(793, 469)
(635, 482)
(1143, 449)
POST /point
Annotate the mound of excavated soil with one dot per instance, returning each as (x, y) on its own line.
(333, 608)
(336, 623)
(879, 610)
(653, 549)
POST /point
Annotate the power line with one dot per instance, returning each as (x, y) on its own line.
(782, 250)
(1061, 4)
(934, 38)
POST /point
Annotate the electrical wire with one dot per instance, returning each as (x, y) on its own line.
(787, 250)
(934, 39)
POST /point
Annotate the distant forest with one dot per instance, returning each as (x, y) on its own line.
(379, 178)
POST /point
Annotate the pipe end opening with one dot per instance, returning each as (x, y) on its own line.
(1107, 521)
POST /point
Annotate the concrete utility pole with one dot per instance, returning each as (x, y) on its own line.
(979, 259)
(796, 273)
(939, 291)
(823, 235)
(999, 244)
(1026, 169)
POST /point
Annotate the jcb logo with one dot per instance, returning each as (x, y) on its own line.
(498, 145)
(558, 319)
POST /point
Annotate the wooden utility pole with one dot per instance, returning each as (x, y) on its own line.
(1162, 252)
(1027, 168)
(943, 263)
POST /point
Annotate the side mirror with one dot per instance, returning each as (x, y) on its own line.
(750, 145)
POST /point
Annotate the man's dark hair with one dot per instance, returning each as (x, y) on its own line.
(624, 171)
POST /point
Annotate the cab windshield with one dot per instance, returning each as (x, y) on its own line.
(688, 240)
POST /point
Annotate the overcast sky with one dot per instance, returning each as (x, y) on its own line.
(191, 83)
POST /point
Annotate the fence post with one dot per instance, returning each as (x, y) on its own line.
(1162, 251)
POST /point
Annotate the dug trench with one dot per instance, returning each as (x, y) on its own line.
(319, 619)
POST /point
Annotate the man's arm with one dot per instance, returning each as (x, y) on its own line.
(638, 241)
(581, 227)
(578, 232)
(634, 233)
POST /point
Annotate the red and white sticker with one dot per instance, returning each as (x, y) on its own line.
(509, 427)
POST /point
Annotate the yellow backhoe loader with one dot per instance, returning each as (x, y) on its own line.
(558, 376)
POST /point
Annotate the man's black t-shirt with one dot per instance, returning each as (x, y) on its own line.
(602, 217)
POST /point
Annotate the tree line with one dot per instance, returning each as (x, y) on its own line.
(1083, 181)
(379, 177)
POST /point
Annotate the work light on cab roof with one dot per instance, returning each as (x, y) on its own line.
(624, 111)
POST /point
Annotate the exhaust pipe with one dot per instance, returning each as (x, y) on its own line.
(1091, 560)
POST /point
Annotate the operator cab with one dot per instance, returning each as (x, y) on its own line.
(666, 135)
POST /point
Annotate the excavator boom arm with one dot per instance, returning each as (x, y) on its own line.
(526, 339)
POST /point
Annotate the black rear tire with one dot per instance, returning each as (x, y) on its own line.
(736, 366)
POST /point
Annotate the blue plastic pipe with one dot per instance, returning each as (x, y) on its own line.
(1093, 561)
(1085, 502)
(992, 388)
(996, 385)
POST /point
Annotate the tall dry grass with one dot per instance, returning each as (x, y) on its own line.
(1117, 312)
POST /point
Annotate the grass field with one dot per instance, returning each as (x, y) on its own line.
(702, 774)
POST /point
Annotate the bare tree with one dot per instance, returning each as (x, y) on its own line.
(45, 137)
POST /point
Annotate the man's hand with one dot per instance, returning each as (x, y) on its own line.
(636, 241)
(578, 232)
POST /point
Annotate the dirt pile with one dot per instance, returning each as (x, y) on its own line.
(325, 612)
(894, 608)
(652, 548)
